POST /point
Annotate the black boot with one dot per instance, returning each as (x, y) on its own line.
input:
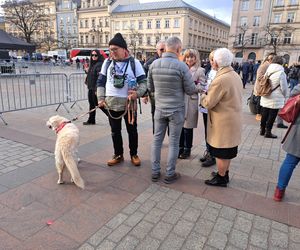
(213, 174)
(270, 135)
(262, 131)
(180, 152)
(204, 157)
(218, 180)
(185, 154)
(210, 160)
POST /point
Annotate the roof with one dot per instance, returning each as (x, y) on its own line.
(163, 5)
(10, 42)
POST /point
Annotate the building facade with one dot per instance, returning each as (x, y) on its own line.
(262, 26)
(143, 25)
(67, 25)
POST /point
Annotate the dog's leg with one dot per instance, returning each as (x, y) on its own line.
(59, 164)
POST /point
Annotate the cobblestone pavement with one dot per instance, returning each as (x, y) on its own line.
(161, 218)
(16, 155)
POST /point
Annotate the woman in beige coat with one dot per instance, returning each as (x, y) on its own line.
(224, 103)
(192, 59)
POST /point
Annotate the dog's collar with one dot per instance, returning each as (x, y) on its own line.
(61, 126)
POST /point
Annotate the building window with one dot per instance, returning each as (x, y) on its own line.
(81, 39)
(106, 22)
(258, 4)
(244, 21)
(293, 2)
(245, 5)
(254, 38)
(167, 23)
(124, 25)
(68, 19)
(277, 18)
(240, 39)
(140, 40)
(61, 20)
(157, 38)
(273, 39)
(149, 24)
(279, 3)
(106, 39)
(176, 23)
(93, 39)
(191, 23)
(196, 25)
(140, 25)
(256, 20)
(93, 23)
(287, 38)
(86, 23)
(132, 26)
(291, 17)
(157, 24)
(86, 39)
(148, 40)
(117, 25)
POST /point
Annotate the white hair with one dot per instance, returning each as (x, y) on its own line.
(160, 42)
(173, 43)
(223, 57)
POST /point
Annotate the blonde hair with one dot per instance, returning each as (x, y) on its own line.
(211, 55)
(192, 53)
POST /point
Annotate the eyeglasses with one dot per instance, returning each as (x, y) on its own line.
(113, 49)
(94, 55)
(162, 50)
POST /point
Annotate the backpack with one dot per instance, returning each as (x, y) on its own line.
(291, 109)
(264, 86)
(293, 74)
(131, 61)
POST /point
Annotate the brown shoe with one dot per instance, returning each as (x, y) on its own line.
(135, 160)
(115, 160)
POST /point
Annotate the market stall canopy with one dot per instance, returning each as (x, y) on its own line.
(12, 43)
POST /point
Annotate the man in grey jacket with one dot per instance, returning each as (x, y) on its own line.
(169, 79)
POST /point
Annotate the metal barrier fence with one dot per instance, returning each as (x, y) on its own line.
(19, 92)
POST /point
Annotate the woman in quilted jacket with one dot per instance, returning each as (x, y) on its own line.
(292, 158)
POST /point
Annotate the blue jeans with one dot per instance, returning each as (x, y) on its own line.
(293, 83)
(286, 170)
(175, 121)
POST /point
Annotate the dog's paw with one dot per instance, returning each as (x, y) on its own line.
(72, 180)
(60, 182)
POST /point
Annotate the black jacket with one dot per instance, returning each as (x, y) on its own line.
(92, 76)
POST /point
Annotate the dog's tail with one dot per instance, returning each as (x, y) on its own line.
(72, 167)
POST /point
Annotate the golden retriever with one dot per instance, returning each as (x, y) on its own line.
(66, 148)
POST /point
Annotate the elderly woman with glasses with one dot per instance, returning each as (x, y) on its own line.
(92, 72)
(223, 101)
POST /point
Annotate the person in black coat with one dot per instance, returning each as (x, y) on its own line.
(93, 71)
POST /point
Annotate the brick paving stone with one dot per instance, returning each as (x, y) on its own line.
(192, 214)
(99, 236)
(243, 224)
(131, 208)
(183, 228)
(280, 226)
(116, 221)
(228, 213)
(182, 204)
(199, 203)
(165, 204)
(195, 241)
(154, 215)
(238, 239)
(295, 234)
(261, 223)
(172, 216)
(279, 239)
(149, 244)
(143, 197)
(128, 243)
(119, 233)
(223, 225)
(134, 219)
(86, 246)
(173, 194)
(106, 245)
(217, 240)
(259, 239)
(204, 227)
(161, 230)
(147, 206)
(210, 213)
(172, 242)
(157, 196)
(141, 230)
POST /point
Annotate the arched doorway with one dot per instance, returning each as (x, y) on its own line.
(252, 56)
(287, 59)
(239, 54)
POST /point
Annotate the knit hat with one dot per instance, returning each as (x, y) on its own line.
(118, 40)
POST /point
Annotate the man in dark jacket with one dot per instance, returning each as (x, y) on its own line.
(160, 49)
(93, 71)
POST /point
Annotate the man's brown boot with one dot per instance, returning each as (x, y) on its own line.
(135, 160)
(115, 160)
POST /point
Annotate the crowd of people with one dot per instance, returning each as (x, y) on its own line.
(179, 89)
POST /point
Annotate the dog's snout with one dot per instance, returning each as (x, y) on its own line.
(49, 126)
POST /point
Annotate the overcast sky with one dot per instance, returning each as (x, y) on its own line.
(221, 9)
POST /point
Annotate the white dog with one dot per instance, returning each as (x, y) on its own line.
(66, 148)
